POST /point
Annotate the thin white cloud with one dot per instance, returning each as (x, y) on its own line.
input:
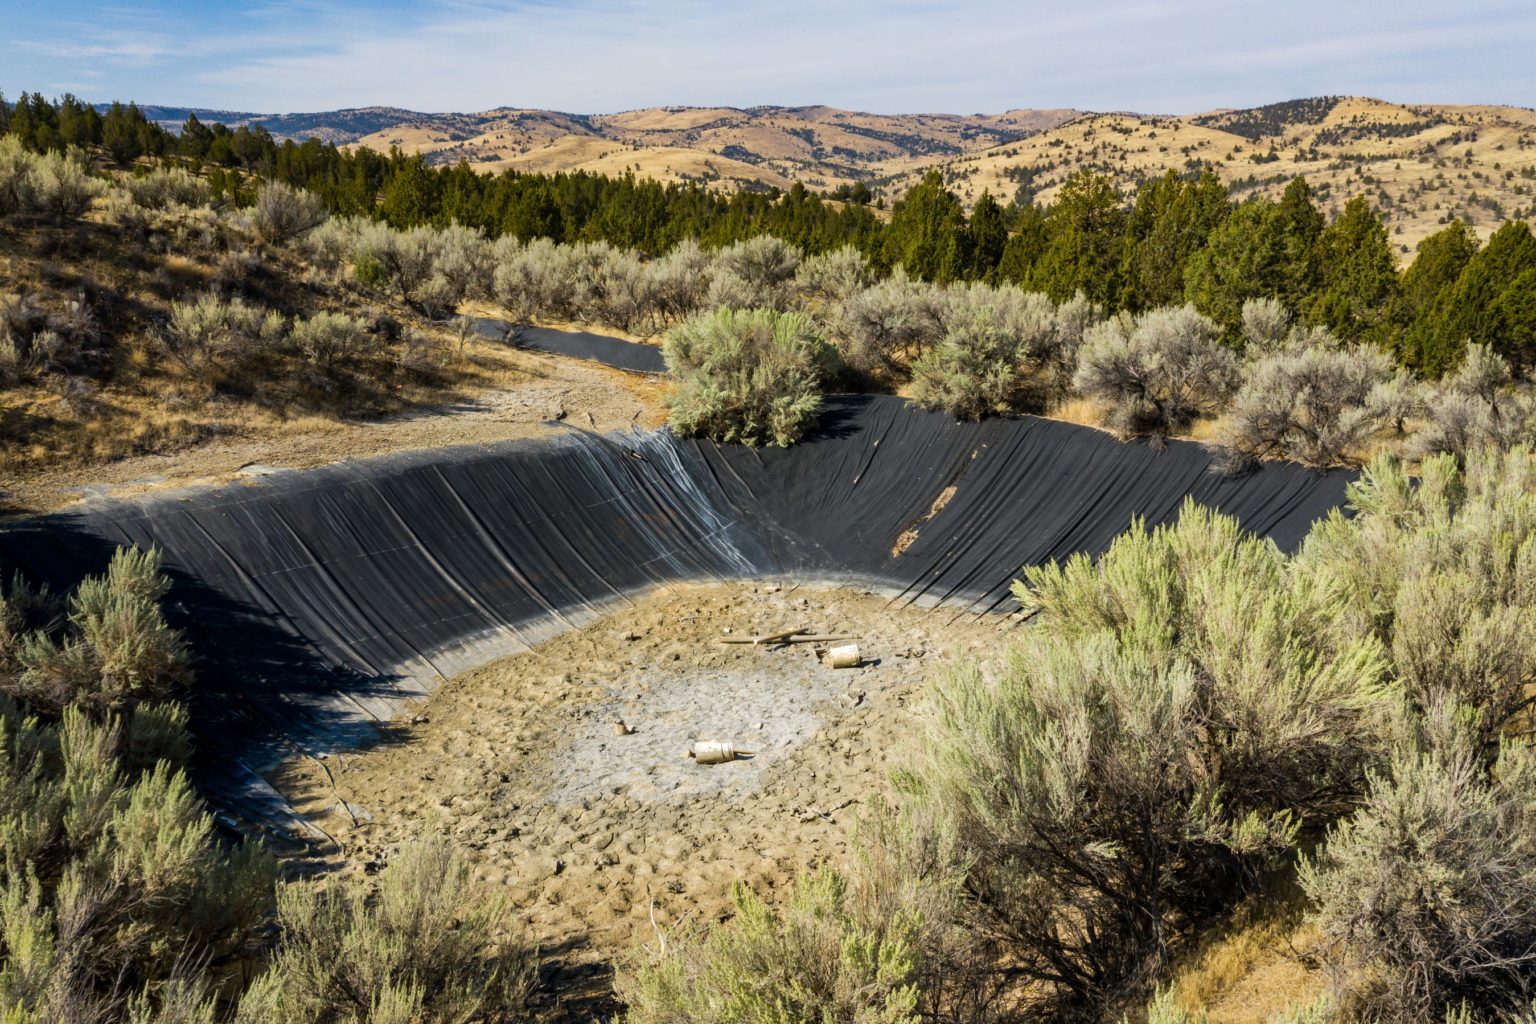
(895, 55)
(139, 51)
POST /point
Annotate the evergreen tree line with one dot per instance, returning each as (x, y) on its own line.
(1180, 238)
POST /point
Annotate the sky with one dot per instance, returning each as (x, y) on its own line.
(883, 56)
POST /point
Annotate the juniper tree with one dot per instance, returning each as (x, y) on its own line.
(1437, 264)
(1487, 303)
(1084, 243)
(1357, 275)
(927, 232)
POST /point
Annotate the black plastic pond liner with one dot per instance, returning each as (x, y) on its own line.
(616, 352)
(318, 600)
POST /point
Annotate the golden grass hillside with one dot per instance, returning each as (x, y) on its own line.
(821, 147)
(1421, 166)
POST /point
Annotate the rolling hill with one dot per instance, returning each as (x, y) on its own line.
(822, 147)
(1421, 165)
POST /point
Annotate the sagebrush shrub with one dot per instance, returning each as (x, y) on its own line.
(831, 278)
(428, 945)
(1162, 738)
(678, 281)
(1479, 405)
(1426, 898)
(533, 281)
(974, 370)
(758, 273)
(114, 648)
(165, 187)
(751, 376)
(16, 182)
(814, 961)
(892, 321)
(222, 342)
(1316, 405)
(38, 338)
(1442, 571)
(1266, 326)
(330, 341)
(62, 186)
(609, 286)
(461, 267)
(56, 185)
(283, 213)
(1157, 371)
(114, 889)
(401, 262)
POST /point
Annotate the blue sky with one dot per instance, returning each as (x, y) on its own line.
(592, 56)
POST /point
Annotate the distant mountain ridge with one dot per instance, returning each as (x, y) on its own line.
(764, 145)
(338, 126)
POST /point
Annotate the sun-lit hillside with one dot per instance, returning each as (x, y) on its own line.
(663, 163)
(1421, 165)
(821, 147)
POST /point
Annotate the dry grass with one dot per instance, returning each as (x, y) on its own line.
(1085, 412)
(1491, 166)
(661, 163)
(131, 415)
(1252, 968)
(908, 537)
(784, 145)
(1207, 429)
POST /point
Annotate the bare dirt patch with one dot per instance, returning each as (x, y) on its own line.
(909, 535)
(591, 832)
(513, 395)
